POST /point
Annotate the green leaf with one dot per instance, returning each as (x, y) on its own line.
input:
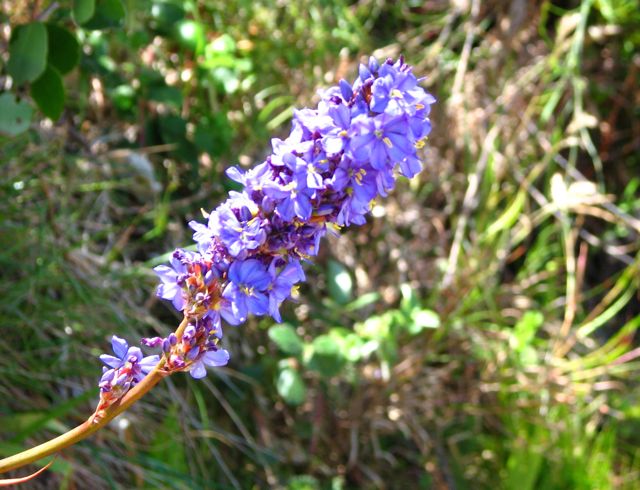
(339, 282)
(123, 97)
(510, 216)
(290, 386)
(364, 300)
(108, 14)
(15, 116)
(375, 327)
(172, 128)
(303, 482)
(421, 319)
(171, 96)
(326, 356)
(349, 343)
(166, 14)
(410, 300)
(27, 52)
(525, 330)
(48, 92)
(83, 10)
(213, 134)
(221, 44)
(191, 35)
(64, 50)
(286, 338)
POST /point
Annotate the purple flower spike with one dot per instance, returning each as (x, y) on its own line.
(337, 159)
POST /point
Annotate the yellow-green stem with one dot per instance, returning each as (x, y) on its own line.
(88, 427)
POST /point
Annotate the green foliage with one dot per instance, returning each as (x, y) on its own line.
(15, 115)
(48, 93)
(479, 332)
(286, 338)
(290, 385)
(340, 284)
(190, 35)
(28, 52)
(83, 10)
(106, 14)
(64, 50)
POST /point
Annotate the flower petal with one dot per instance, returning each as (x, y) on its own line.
(148, 363)
(120, 346)
(112, 362)
(216, 358)
(198, 370)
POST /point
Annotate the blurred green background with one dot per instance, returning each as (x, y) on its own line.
(477, 333)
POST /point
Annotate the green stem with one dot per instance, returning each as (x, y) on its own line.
(88, 427)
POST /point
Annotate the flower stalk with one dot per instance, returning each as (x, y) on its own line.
(92, 424)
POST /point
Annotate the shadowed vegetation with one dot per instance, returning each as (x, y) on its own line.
(477, 332)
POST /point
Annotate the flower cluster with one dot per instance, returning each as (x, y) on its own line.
(325, 175)
(196, 348)
(124, 370)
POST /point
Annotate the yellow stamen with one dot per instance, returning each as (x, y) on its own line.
(387, 142)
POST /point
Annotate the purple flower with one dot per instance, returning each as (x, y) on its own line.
(173, 280)
(293, 198)
(127, 367)
(282, 283)
(248, 281)
(239, 227)
(382, 140)
(212, 358)
(337, 139)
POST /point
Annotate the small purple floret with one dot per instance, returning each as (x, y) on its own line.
(127, 367)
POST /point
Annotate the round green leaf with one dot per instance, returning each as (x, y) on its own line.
(286, 338)
(291, 387)
(83, 10)
(166, 14)
(421, 319)
(27, 52)
(326, 357)
(48, 92)
(123, 97)
(15, 116)
(191, 35)
(64, 50)
(109, 13)
(339, 282)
